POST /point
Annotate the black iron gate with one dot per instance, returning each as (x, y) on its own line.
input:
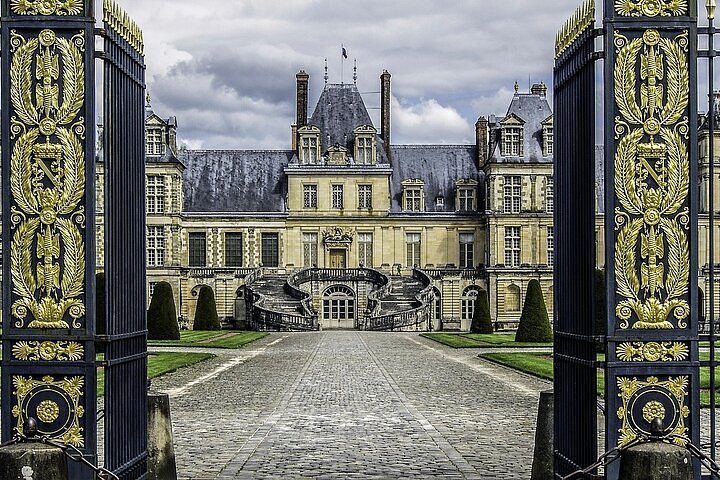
(49, 167)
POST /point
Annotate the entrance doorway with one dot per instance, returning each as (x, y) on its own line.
(338, 307)
(338, 258)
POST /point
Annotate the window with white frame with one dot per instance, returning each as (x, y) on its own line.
(155, 190)
(155, 245)
(309, 149)
(364, 196)
(512, 137)
(338, 196)
(310, 196)
(512, 246)
(365, 249)
(413, 249)
(512, 194)
(338, 303)
(548, 140)
(154, 145)
(364, 149)
(467, 302)
(413, 199)
(550, 245)
(467, 250)
(310, 249)
(466, 199)
(549, 195)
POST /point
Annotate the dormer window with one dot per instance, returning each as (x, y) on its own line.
(466, 189)
(413, 197)
(309, 145)
(154, 145)
(439, 202)
(365, 145)
(512, 137)
(548, 137)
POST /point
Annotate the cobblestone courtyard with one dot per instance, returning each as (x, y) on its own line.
(351, 405)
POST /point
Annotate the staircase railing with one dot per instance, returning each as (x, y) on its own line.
(422, 312)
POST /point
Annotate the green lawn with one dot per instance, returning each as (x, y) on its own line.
(215, 339)
(480, 340)
(160, 364)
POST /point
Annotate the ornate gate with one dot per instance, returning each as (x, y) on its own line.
(651, 366)
(48, 164)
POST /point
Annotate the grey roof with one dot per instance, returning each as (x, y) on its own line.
(339, 110)
(438, 166)
(235, 180)
(533, 110)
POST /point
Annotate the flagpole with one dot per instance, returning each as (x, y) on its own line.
(342, 64)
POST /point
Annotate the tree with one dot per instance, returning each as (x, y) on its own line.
(206, 317)
(162, 316)
(481, 322)
(100, 328)
(534, 323)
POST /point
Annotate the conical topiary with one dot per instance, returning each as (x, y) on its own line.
(162, 316)
(206, 317)
(100, 328)
(534, 324)
(481, 322)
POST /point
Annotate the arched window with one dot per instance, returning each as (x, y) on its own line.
(467, 302)
(512, 298)
(438, 304)
(338, 303)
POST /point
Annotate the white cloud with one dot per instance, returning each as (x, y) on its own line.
(428, 122)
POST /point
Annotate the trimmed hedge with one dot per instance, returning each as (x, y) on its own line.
(534, 323)
(206, 317)
(481, 322)
(161, 316)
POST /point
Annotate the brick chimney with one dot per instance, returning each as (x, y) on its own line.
(302, 106)
(385, 110)
(539, 89)
(481, 140)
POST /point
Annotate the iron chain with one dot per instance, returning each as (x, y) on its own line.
(611, 455)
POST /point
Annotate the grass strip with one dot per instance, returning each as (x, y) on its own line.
(214, 338)
(480, 340)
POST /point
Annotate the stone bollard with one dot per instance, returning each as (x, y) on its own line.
(33, 461)
(656, 460)
(543, 456)
(161, 453)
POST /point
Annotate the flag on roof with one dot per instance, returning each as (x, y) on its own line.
(344, 52)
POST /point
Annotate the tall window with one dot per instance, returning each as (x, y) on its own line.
(198, 249)
(310, 196)
(413, 249)
(467, 249)
(512, 142)
(512, 195)
(310, 249)
(270, 249)
(337, 196)
(154, 145)
(338, 303)
(365, 248)
(413, 202)
(549, 195)
(309, 150)
(467, 302)
(155, 190)
(233, 249)
(512, 246)
(512, 298)
(548, 140)
(550, 246)
(155, 245)
(364, 150)
(364, 196)
(466, 199)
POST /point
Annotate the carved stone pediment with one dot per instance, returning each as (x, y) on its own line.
(337, 238)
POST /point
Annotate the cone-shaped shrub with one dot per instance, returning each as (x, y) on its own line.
(162, 316)
(481, 315)
(206, 317)
(100, 328)
(534, 324)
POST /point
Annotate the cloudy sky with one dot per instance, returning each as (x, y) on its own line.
(226, 69)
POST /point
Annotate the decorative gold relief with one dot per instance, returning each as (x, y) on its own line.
(652, 177)
(56, 403)
(652, 351)
(651, 8)
(47, 180)
(48, 351)
(47, 7)
(583, 18)
(125, 26)
(643, 401)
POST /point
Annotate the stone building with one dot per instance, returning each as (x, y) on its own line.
(352, 231)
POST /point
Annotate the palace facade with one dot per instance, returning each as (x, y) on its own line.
(346, 228)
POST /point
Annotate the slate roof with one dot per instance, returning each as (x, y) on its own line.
(439, 167)
(235, 180)
(533, 110)
(339, 110)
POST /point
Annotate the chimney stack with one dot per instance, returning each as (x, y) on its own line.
(539, 89)
(481, 140)
(385, 110)
(302, 98)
